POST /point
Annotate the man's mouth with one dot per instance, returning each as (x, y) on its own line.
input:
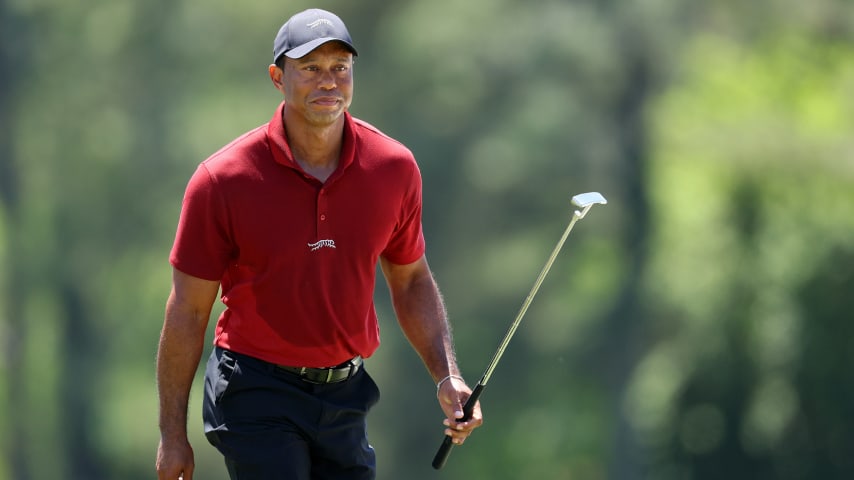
(326, 101)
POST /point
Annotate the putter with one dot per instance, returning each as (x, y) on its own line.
(585, 202)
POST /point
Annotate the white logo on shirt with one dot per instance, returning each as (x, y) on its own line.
(321, 244)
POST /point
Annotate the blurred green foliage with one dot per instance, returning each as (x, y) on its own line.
(697, 327)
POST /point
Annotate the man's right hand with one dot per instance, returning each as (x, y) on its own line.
(175, 460)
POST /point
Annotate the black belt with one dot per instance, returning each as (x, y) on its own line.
(335, 374)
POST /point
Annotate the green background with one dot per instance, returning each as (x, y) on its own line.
(696, 327)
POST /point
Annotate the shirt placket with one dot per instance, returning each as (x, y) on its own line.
(322, 218)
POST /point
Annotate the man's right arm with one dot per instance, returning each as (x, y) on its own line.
(181, 343)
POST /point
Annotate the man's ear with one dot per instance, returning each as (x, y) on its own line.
(276, 74)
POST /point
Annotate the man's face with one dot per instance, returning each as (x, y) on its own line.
(319, 86)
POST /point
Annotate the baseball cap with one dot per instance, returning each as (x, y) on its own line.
(308, 30)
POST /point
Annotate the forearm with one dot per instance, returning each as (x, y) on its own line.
(422, 316)
(178, 355)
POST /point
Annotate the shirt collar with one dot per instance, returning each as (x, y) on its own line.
(282, 151)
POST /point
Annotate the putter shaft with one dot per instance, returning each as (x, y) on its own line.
(585, 201)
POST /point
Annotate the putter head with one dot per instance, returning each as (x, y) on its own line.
(583, 200)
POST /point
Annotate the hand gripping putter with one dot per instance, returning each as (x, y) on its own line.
(585, 202)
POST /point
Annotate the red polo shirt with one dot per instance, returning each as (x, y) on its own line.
(296, 257)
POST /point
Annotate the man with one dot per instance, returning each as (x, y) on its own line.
(290, 220)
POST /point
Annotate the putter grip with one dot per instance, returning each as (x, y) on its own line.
(445, 449)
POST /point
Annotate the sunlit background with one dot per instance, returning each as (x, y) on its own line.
(699, 326)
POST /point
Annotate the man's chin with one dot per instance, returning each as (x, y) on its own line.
(324, 118)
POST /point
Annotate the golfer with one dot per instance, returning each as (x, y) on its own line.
(290, 220)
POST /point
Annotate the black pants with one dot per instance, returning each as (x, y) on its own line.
(271, 425)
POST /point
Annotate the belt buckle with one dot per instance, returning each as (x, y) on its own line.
(353, 366)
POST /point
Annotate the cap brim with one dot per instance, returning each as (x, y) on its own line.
(306, 48)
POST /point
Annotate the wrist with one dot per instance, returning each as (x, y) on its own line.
(173, 434)
(439, 384)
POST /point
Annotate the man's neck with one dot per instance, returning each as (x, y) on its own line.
(316, 148)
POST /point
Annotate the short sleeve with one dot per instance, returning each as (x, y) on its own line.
(203, 245)
(406, 244)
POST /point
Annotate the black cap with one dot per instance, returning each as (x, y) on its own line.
(308, 30)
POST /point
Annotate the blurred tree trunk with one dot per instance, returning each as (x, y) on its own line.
(10, 71)
(621, 348)
(84, 347)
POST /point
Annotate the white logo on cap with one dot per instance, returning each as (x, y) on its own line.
(319, 22)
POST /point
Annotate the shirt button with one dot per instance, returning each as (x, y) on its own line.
(322, 217)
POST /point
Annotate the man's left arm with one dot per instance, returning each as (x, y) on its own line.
(423, 319)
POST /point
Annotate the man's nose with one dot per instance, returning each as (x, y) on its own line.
(327, 80)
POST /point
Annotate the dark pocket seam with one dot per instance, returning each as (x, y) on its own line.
(226, 369)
